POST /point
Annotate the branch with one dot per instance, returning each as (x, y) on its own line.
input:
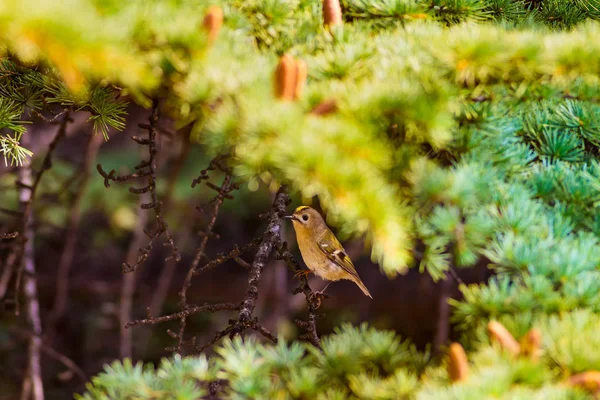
(11, 212)
(10, 235)
(128, 285)
(234, 254)
(165, 279)
(271, 237)
(44, 118)
(68, 253)
(313, 300)
(222, 192)
(147, 169)
(183, 314)
(27, 191)
(50, 352)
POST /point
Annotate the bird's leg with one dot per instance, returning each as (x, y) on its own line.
(302, 272)
(321, 293)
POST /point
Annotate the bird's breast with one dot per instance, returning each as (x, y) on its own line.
(318, 262)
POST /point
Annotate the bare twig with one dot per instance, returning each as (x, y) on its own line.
(443, 322)
(44, 118)
(165, 278)
(50, 352)
(14, 213)
(186, 313)
(313, 301)
(166, 275)
(128, 285)
(68, 253)
(7, 273)
(30, 186)
(270, 240)
(10, 235)
(243, 263)
(455, 276)
(234, 254)
(222, 191)
(147, 169)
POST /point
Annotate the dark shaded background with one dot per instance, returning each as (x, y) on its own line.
(89, 333)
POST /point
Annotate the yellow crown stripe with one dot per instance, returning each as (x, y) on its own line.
(301, 208)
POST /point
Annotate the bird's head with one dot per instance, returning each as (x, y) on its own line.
(307, 220)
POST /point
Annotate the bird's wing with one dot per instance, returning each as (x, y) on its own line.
(333, 249)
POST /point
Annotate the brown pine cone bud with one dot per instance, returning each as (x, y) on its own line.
(332, 12)
(589, 380)
(500, 334)
(285, 78)
(301, 75)
(325, 107)
(213, 20)
(458, 365)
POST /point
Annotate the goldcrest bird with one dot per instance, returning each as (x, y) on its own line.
(322, 253)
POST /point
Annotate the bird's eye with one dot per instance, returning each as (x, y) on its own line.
(305, 217)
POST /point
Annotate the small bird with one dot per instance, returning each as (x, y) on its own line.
(320, 249)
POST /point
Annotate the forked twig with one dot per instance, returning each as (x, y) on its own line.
(146, 169)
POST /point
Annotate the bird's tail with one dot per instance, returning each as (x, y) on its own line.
(363, 287)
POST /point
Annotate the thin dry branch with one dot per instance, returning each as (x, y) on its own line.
(52, 353)
(10, 235)
(216, 202)
(443, 322)
(271, 238)
(146, 169)
(128, 285)
(29, 186)
(269, 241)
(266, 244)
(68, 253)
(222, 193)
(181, 314)
(234, 254)
(165, 279)
(46, 119)
(13, 213)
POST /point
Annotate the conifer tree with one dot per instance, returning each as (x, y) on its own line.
(469, 129)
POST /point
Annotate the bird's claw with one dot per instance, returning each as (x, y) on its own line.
(319, 295)
(301, 273)
(316, 298)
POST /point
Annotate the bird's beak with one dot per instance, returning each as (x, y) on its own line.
(292, 217)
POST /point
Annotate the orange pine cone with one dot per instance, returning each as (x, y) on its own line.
(213, 20)
(589, 380)
(458, 365)
(500, 334)
(332, 12)
(290, 78)
(285, 78)
(301, 75)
